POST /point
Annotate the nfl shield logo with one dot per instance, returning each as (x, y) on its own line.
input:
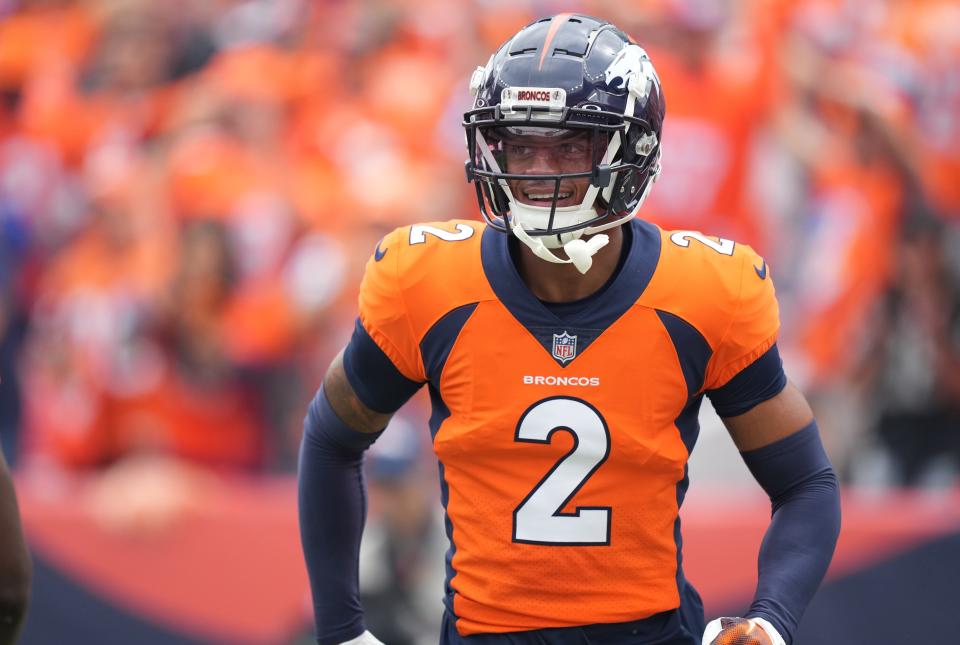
(564, 347)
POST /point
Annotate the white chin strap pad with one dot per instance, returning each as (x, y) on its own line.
(580, 252)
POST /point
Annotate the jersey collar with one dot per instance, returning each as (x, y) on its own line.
(591, 321)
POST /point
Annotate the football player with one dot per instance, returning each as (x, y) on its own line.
(567, 346)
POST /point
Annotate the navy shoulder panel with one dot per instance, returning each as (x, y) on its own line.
(692, 349)
(438, 341)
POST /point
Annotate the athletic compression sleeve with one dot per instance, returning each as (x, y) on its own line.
(798, 546)
(331, 490)
(332, 502)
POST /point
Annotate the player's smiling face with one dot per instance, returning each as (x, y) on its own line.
(569, 152)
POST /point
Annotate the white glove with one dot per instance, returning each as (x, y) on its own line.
(366, 638)
(714, 627)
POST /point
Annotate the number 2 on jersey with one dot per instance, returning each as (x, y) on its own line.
(720, 245)
(539, 518)
(419, 232)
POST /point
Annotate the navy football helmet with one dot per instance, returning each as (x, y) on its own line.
(557, 76)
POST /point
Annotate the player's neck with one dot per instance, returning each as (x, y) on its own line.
(562, 282)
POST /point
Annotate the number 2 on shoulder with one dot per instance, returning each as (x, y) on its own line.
(720, 245)
(419, 232)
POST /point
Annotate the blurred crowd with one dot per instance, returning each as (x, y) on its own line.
(189, 192)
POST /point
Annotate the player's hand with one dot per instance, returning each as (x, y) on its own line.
(741, 631)
(366, 638)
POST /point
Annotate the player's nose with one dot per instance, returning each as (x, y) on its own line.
(543, 161)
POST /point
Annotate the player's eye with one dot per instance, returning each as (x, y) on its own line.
(574, 150)
(519, 151)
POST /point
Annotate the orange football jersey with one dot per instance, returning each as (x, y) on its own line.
(563, 443)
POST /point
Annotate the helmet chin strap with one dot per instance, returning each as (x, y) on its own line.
(580, 252)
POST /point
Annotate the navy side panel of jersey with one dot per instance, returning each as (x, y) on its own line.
(435, 349)
(693, 354)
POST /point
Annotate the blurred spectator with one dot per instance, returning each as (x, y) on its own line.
(115, 94)
(87, 347)
(719, 87)
(210, 411)
(913, 361)
(13, 322)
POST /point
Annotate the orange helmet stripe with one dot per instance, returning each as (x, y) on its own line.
(555, 25)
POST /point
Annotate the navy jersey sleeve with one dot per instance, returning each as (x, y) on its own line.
(759, 381)
(373, 376)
